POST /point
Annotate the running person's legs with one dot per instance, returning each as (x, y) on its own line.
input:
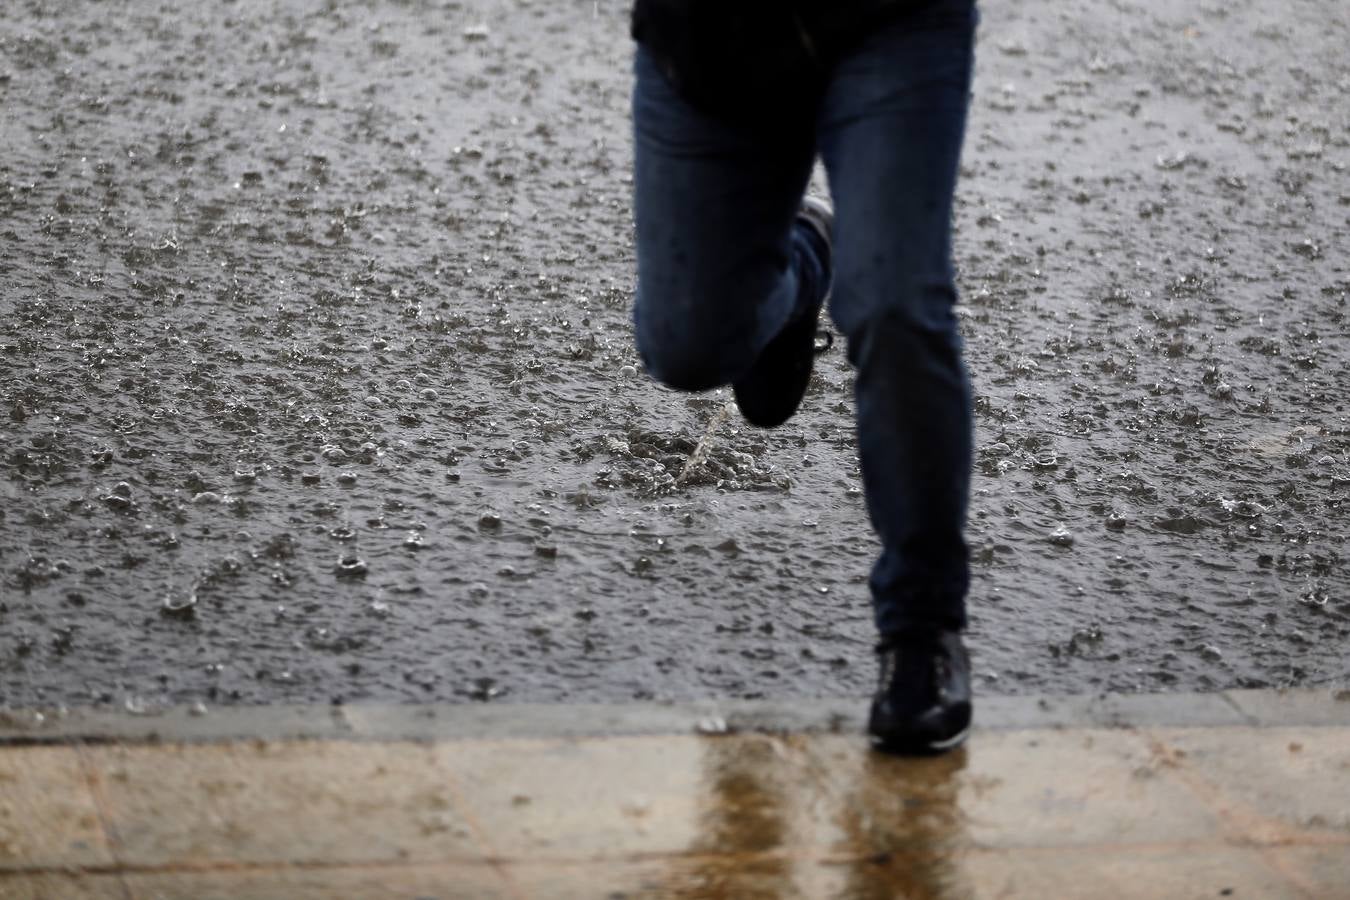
(722, 263)
(891, 128)
(722, 269)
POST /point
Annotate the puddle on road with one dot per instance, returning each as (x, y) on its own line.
(317, 381)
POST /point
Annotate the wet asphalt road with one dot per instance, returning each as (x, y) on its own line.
(316, 379)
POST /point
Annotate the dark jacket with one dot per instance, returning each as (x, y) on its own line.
(752, 58)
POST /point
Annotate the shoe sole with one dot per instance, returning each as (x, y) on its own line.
(798, 339)
(920, 748)
(818, 215)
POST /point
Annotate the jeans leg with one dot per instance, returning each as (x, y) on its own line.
(721, 265)
(891, 128)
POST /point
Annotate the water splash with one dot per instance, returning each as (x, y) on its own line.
(700, 453)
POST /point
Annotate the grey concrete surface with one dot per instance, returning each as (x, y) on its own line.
(317, 381)
(433, 722)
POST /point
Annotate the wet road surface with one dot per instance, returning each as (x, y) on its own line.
(317, 381)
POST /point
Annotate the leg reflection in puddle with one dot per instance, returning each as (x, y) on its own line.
(902, 829)
(780, 820)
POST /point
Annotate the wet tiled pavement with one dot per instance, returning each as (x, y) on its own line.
(1260, 809)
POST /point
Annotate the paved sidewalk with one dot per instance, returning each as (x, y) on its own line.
(1242, 794)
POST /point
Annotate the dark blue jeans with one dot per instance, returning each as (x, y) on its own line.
(722, 266)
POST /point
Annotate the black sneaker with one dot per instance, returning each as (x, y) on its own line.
(922, 704)
(772, 390)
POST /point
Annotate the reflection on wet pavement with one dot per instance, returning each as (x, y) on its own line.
(1031, 813)
(894, 831)
(905, 829)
